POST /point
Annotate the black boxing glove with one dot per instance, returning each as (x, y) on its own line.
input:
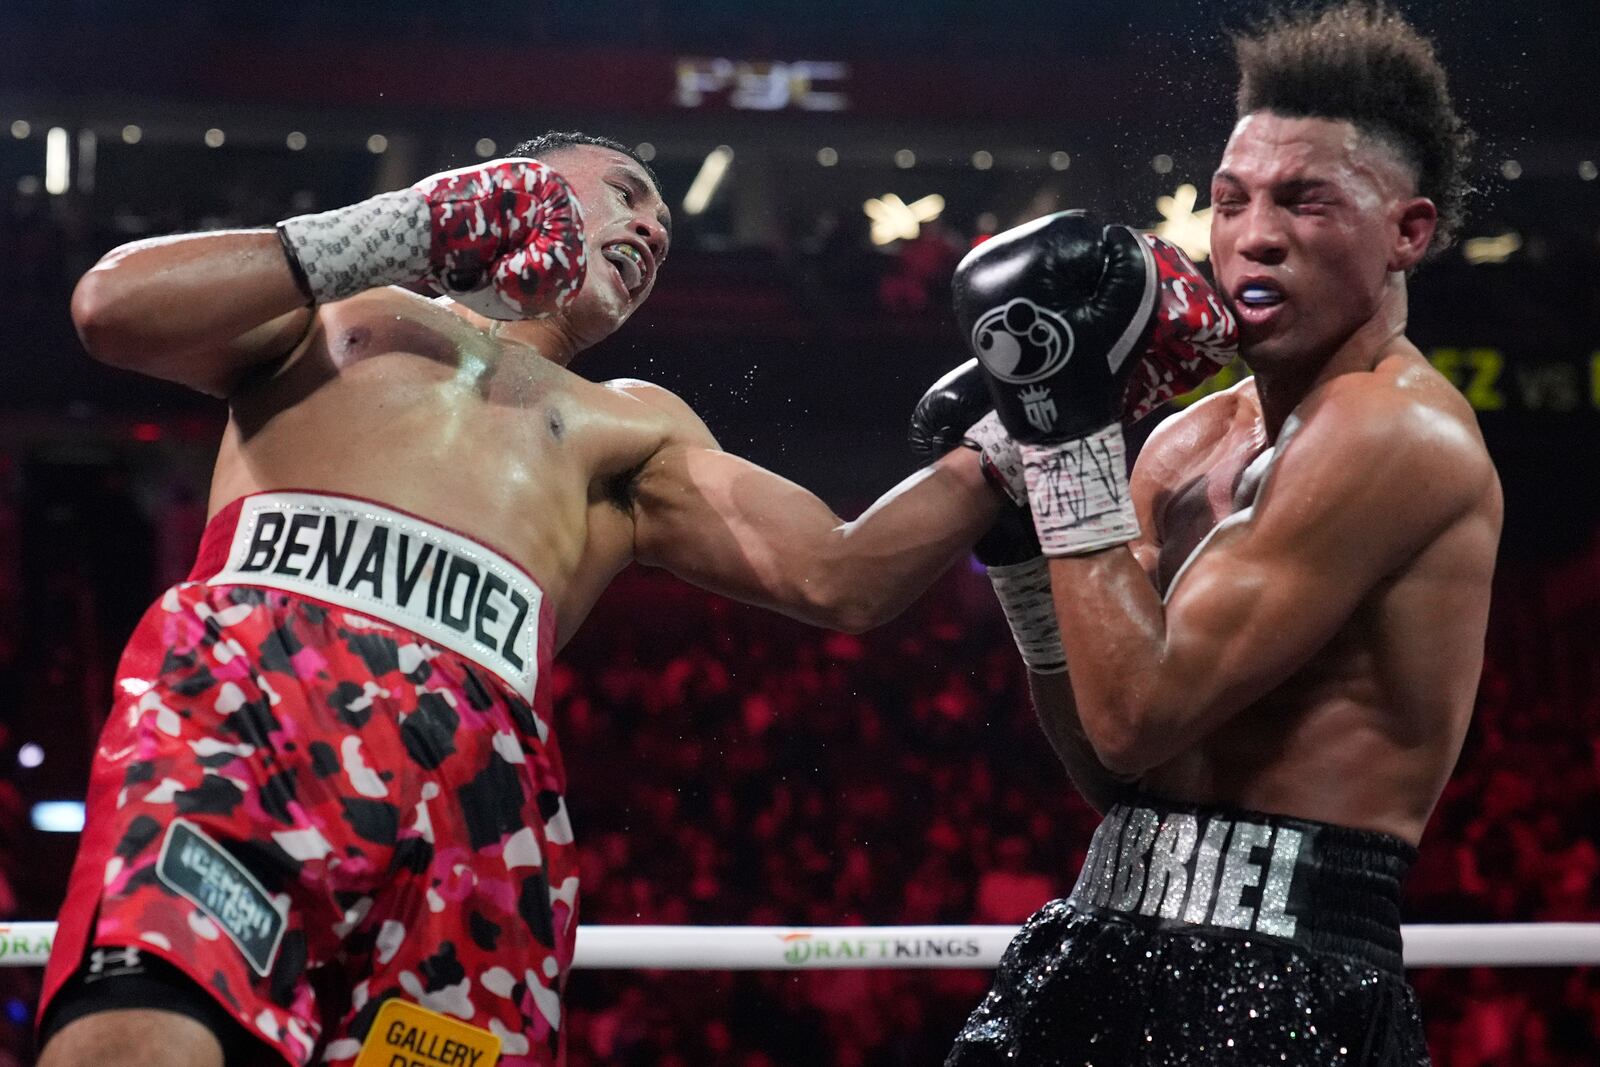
(955, 411)
(1065, 316)
(944, 419)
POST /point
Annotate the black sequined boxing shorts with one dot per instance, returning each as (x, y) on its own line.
(1207, 936)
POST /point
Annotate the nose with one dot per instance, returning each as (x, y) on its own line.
(653, 234)
(1261, 237)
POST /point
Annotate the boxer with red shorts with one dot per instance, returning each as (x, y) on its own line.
(354, 670)
(266, 809)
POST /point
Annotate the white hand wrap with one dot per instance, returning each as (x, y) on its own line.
(1002, 460)
(1078, 491)
(381, 241)
(1024, 593)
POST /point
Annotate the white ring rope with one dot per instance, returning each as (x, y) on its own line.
(792, 948)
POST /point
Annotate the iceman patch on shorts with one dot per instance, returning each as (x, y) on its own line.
(206, 874)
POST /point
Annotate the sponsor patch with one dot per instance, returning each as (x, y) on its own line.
(205, 874)
(407, 1035)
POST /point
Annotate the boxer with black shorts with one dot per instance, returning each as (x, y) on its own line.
(326, 818)
(1273, 629)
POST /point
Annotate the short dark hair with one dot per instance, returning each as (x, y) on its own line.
(1361, 61)
(555, 140)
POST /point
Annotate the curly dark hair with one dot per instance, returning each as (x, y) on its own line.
(1361, 61)
(555, 140)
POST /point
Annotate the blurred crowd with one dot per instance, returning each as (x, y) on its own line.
(730, 767)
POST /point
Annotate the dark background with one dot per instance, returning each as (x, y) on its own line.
(803, 346)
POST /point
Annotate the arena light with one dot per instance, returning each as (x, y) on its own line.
(905, 159)
(1497, 249)
(57, 816)
(132, 134)
(57, 164)
(1587, 170)
(295, 141)
(705, 183)
(1511, 170)
(827, 157)
(215, 138)
(1060, 161)
(1182, 225)
(895, 220)
(377, 144)
(30, 755)
(645, 151)
(982, 160)
(20, 129)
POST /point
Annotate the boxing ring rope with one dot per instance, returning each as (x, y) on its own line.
(789, 948)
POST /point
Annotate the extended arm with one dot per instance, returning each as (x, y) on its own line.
(730, 526)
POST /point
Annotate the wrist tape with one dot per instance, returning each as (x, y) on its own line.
(1078, 491)
(1002, 462)
(381, 241)
(1024, 593)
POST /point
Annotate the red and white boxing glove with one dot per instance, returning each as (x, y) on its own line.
(505, 238)
(1193, 337)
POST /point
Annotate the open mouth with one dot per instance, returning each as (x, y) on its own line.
(629, 264)
(1258, 294)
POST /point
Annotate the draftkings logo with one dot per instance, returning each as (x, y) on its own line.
(801, 949)
(15, 944)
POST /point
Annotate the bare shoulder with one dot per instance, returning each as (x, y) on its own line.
(679, 421)
(1400, 439)
(1192, 433)
(1402, 410)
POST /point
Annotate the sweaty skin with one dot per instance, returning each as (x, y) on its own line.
(479, 426)
(1300, 627)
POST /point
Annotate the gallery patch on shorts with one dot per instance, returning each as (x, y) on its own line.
(407, 1035)
(205, 874)
(440, 585)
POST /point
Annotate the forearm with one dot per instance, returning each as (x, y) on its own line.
(886, 558)
(1114, 631)
(171, 295)
(1058, 717)
(736, 529)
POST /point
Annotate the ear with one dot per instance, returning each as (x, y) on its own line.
(1415, 220)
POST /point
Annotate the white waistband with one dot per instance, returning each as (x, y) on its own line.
(440, 585)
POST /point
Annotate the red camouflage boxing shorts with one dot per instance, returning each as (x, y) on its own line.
(329, 780)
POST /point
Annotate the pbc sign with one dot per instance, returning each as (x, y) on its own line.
(807, 85)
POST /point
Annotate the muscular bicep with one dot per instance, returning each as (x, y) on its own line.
(743, 531)
(1351, 499)
(715, 519)
(202, 310)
